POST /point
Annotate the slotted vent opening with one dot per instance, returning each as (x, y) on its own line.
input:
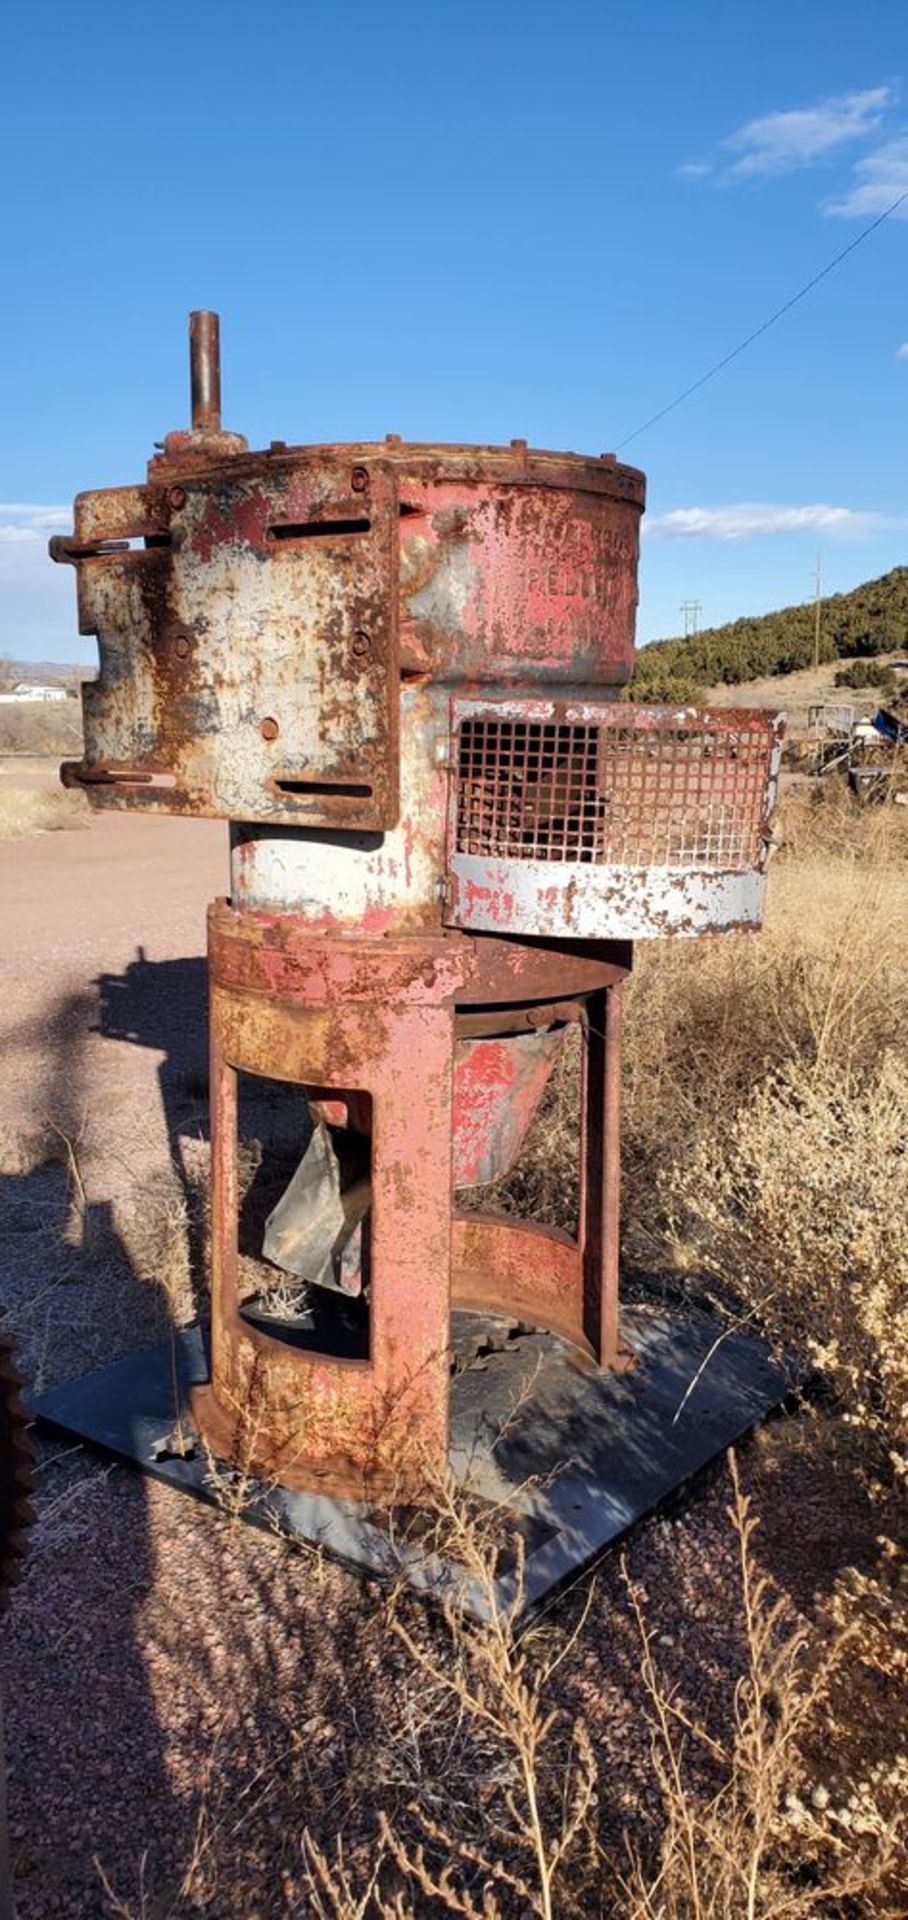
(635, 793)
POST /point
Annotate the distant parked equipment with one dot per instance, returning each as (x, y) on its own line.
(866, 751)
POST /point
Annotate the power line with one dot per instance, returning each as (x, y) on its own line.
(817, 611)
(764, 326)
(691, 610)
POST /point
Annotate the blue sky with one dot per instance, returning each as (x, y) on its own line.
(468, 221)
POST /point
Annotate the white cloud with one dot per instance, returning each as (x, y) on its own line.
(780, 142)
(749, 518)
(37, 599)
(23, 520)
(901, 353)
(795, 137)
(876, 181)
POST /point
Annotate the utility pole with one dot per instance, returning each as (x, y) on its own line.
(691, 610)
(817, 607)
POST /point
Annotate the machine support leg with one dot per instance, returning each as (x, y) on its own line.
(611, 1178)
(601, 1179)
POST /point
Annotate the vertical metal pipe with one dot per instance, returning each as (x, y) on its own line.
(609, 1334)
(601, 1173)
(592, 1158)
(205, 372)
(223, 1107)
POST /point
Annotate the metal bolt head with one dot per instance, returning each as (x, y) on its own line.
(269, 729)
(176, 497)
(359, 479)
(361, 645)
(182, 646)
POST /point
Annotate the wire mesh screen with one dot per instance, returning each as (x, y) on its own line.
(634, 792)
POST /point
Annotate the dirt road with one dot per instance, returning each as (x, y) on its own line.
(79, 910)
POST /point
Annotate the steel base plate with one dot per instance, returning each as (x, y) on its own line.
(565, 1458)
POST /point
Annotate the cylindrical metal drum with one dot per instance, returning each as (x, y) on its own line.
(396, 671)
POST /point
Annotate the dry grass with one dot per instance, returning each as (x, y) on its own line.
(25, 811)
(767, 1138)
(764, 1838)
(794, 693)
(799, 1206)
(52, 727)
(746, 1822)
(824, 988)
(768, 1110)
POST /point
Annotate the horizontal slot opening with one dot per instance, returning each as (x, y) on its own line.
(122, 777)
(342, 789)
(317, 529)
(64, 549)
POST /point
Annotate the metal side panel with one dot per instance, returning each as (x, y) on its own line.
(247, 633)
(594, 821)
(573, 902)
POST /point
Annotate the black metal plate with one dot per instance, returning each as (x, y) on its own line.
(581, 1459)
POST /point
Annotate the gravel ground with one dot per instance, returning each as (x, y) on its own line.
(183, 1696)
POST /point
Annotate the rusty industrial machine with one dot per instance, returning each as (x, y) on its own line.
(396, 669)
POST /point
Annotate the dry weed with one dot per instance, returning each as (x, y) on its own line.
(510, 1829)
(784, 1815)
(237, 1484)
(825, 985)
(765, 1843)
(854, 1799)
(799, 1204)
(25, 811)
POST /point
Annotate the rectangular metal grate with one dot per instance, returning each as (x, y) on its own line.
(646, 789)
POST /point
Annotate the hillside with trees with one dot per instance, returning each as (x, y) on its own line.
(872, 619)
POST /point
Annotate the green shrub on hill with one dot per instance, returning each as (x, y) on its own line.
(868, 673)
(872, 619)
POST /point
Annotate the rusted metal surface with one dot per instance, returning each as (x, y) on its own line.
(395, 670)
(205, 372)
(255, 612)
(510, 1266)
(498, 1084)
(579, 819)
(248, 646)
(600, 1184)
(518, 566)
(379, 1017)
(286, 955)
(273, 587)
(379, 1424)
(367, 884)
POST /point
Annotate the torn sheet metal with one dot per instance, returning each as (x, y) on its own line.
(498, 1084)
(316, 1229)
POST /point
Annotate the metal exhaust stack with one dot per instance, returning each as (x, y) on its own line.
(396, 671)
(205, 372)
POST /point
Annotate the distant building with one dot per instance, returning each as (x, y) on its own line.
(23, 691)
